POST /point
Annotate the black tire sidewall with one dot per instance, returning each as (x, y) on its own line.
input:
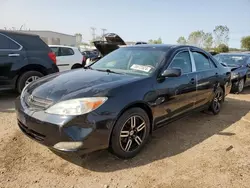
(219, 89)
(22, 79)
(115, 137)
(238, 89)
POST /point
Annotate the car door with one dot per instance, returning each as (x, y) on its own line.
(65, 58)
(207, 76)
(11, 58)
(176, 95)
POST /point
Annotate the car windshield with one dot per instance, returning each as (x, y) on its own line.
(231, 59)
(135, 61)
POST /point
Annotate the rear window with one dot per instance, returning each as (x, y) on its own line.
(31, 42)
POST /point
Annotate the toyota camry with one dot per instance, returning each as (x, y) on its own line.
(121, 99)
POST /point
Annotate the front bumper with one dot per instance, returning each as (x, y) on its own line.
(90, 130)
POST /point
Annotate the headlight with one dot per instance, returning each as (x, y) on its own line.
(76, 106)
(234, 75)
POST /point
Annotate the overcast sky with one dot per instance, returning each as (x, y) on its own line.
(138, 20)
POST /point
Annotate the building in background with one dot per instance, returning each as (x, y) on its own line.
(54, 38)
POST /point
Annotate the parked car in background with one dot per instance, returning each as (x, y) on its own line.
(23, 59)
(90, 54)
(112, 42)
(121, 99)
(140, 43)
(68, 57)
(239, 63)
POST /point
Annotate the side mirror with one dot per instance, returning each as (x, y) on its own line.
(171, 73)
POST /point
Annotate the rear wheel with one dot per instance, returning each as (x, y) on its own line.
(130, 133)
(26, 78)
(216, 104)
(240, 85)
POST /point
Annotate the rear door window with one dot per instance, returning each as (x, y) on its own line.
(202, 62)
(66, 51)
(8, 44)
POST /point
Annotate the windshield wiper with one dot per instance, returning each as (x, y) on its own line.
(108, 70)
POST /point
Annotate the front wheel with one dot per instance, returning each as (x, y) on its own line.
(130, 133)
(216, 104)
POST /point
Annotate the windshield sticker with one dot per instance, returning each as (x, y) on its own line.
(237, 57)
(141, 68)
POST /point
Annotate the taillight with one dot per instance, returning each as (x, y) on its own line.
(52, 56)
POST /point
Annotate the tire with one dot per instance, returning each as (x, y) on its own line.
(76, 66)
(25, 77)
(124, 139)
(240, 85)
(218, 99)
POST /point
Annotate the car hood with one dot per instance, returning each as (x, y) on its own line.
(76, 84)
(231, 66)
(113, 41)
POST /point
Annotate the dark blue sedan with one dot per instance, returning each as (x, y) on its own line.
(239, 63)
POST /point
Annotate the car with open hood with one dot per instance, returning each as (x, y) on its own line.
(239, 63)
(121, 99)
(112, 42)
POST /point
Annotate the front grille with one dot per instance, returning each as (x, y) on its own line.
(36, 102)
(33, 134)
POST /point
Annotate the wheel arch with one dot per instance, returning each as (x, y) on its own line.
(76, 65)
(31, 67)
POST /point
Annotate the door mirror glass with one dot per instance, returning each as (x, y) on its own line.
(171, 73)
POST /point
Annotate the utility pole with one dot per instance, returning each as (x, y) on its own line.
(103, 33)
(93, 29)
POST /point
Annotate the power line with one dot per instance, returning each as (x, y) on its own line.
(93, 29)
(103, 33)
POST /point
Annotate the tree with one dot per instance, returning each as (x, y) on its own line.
(196, 38)
(222, 48)
(207, 41)
(245, 42)
(221, 35)
(158, 41)
(181, 40)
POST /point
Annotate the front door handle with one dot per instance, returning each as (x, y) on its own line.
(14, 55)
(192, 81)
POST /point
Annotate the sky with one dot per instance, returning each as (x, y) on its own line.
(132, 20)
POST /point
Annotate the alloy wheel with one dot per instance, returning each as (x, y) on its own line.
(241, 85)
(31, 79)
(133, 133)
(217, 101)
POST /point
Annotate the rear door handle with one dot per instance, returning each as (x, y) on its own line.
(14, 55)
(192, 81)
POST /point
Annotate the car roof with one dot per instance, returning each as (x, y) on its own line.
(6, 32)
(73, 47)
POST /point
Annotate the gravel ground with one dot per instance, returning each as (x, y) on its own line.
(201, 150)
